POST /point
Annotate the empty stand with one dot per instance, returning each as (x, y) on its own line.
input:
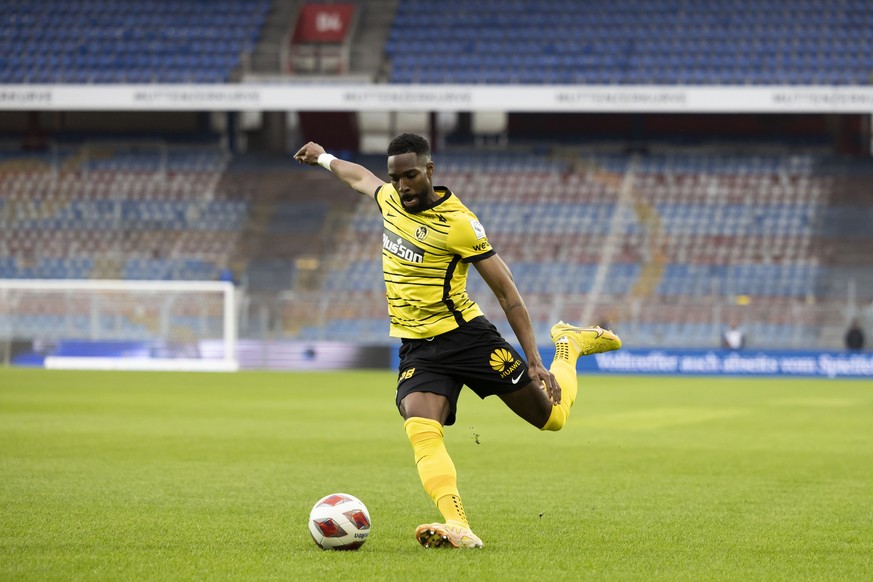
(132, 212)
(653, 42)
(121, 41)
(773, 241)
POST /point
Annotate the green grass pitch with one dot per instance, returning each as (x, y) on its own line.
(161, 476)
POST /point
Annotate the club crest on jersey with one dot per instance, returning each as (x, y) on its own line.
(478, 229)
(401, 248)
(421, 232)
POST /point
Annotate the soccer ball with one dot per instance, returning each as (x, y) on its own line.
(339, 521)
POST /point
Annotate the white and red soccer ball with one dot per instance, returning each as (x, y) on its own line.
(339, 521)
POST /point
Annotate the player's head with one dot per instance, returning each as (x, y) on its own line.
(410, 170)
(406, 143)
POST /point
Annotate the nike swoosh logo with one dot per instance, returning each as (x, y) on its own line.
(390, 214)
(517, 378)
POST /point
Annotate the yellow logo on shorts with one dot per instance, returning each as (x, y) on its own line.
(502, 361)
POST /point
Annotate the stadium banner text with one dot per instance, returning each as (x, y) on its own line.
(729, 363)
(370, 97)
(680, 362)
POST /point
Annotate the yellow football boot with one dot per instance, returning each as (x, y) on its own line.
(446, 535)
(584, 341)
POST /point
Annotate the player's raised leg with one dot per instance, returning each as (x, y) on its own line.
(570, 343)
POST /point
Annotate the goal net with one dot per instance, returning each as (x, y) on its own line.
(119, 325)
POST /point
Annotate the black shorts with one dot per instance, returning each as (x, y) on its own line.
(474, 354)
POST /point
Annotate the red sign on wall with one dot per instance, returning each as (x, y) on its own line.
(323, 23)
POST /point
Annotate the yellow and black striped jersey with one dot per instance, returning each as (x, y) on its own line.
(425, 260)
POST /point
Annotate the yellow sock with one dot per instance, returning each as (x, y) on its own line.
(564, 369)
(435, 467)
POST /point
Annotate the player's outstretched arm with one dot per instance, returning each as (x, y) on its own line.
(498, 276)
(355, 176)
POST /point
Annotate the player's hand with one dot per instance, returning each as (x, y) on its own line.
(309, 153)
(539, 373)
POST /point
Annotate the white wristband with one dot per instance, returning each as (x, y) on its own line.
(325, 159)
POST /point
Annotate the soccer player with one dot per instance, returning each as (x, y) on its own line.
(429, 241)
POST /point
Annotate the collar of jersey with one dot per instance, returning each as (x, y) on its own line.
(448, 194)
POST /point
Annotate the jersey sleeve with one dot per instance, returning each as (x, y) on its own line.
(467, 238)
(379, 196)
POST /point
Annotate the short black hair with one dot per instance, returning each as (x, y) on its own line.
(409, 143)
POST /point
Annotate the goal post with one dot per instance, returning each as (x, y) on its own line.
(119, 325)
